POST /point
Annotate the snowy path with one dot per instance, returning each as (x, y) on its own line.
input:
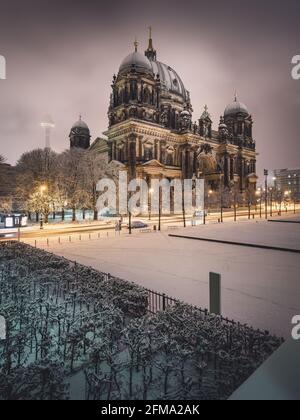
(259, 287)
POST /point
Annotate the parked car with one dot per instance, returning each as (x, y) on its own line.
(137, 224)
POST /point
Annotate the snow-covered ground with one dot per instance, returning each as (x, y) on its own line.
(259, 287)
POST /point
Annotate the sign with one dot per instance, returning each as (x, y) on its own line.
(215, 293)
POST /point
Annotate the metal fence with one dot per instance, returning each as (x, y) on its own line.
(158, 302)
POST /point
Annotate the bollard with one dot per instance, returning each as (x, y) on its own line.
(35, 243)
(98, 235)
(90, 236)
(80, 237)
(70, 239)
(47, 242)
(215, 293)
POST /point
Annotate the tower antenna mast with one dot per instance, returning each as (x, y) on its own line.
(48, 126)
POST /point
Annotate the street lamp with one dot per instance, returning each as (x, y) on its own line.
(258, 194)
(210, 193)
(266, 174)
(43, 188)
(183, 204)
(271, 201)
(221, 197)
(150, 192)
(159, 207)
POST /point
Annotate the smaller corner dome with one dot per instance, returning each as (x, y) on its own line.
(81, 124)
(137, 60)
(235, 108)
(185, 113)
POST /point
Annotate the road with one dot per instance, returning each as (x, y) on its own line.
(103, 228)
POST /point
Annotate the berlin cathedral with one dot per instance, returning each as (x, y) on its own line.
(151, 132)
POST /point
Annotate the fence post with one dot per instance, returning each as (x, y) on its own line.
(215, 293)
(164, 302)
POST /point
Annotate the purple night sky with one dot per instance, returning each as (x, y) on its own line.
(61, 57)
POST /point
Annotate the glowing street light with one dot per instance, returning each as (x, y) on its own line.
(43, 188)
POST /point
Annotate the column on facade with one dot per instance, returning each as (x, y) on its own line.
(114, 150)
(159, 150)
(139, 147)
(231, 168)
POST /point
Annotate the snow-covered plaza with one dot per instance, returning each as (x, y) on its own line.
(260, 287)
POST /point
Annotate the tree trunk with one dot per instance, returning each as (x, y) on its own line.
(95, 215)
(74, 215)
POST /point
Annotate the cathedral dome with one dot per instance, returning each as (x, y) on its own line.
(136, 60)
(80, 124)
(235, 108)
(169, 79)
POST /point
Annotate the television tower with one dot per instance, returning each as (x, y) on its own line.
(48, 125)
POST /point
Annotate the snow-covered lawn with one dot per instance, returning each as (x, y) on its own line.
(259, 287)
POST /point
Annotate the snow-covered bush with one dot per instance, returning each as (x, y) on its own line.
(98, 328)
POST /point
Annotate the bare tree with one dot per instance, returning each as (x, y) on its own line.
(71, 175)
(94, 170)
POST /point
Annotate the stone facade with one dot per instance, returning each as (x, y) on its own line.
(152, 134)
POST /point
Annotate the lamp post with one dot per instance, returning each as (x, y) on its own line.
(249, 208)
(271, 201)
(210, 193)
(159, 207)
(280, 201)
(183, 204)
(129, 223)
(266, 174)
(258, 194)
(150, 192)
(43, 188)
(221, 199)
